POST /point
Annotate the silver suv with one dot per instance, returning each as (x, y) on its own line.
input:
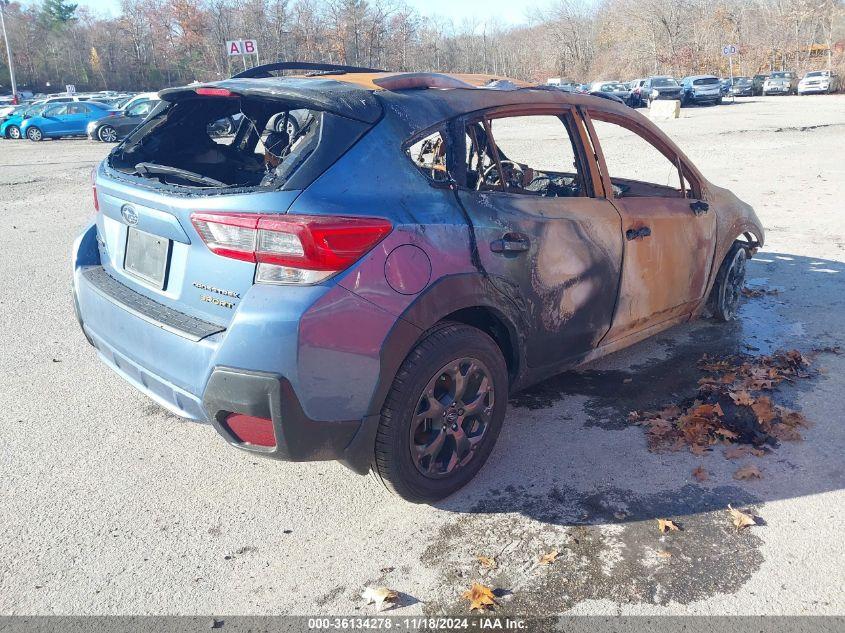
(783, 82)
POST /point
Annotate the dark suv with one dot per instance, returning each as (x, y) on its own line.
(373, 287)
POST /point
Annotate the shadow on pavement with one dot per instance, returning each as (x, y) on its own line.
(556, 462)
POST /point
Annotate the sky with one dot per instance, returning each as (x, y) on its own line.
(504, 11)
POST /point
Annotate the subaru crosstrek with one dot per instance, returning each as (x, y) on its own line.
(371, 288)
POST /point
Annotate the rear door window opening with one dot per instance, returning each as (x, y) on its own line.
(532, 154)
(204, 144)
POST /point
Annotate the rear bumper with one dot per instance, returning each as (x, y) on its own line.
(270, 396)
(282, 357)
(693, 98)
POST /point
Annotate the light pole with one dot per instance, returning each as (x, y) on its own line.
(8, 54)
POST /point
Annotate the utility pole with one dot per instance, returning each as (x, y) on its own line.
(9, 55)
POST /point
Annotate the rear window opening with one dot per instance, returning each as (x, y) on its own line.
(233, 142)
(707, 81)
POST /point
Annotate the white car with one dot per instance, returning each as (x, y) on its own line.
(818, 81)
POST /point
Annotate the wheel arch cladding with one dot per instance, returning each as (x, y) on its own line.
(496, 326)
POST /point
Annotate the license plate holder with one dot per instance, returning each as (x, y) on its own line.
(147, 257)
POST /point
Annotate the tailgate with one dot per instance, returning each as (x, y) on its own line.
(148, 243)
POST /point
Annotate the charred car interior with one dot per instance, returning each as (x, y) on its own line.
(177, 146)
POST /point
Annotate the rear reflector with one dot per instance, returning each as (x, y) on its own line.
(291, 248)
(251, 430)
(94, 189)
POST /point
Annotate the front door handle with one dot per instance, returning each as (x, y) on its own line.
(511, 243)
(635, 234)
(699, 207)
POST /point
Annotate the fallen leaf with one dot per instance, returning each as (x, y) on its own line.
(741, 519)
(698, 449)
(742, 398)
(764, 410)
(700, 474)
(748, 472)
(379, 596)
(726, 433)
(479, 597)
(548, 559)
(664, 553)
(665, 525)
(488, 562)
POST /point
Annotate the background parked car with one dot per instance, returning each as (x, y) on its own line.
(782, 82)
(113, 127)
(818, 81)
(742, 87)
(637, 97)
(757, 85)
(615, 88)
(662, 87)
(63, 119)
(11, 127)
(701, 89)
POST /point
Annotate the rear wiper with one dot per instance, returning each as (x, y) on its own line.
(148, 169)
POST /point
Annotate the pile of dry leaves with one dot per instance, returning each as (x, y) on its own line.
(734, 406)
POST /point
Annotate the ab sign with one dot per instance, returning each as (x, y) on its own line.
(241, 47)
(729, 50)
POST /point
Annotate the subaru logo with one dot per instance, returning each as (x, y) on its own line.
(129, 214)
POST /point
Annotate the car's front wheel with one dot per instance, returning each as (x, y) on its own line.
(443, 414)
(34, 134)
(107, 134)
(14, 132)
(724, 298)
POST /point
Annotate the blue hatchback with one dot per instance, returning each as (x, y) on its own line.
(64, 119)
(371, 285)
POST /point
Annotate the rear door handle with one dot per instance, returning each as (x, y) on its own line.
(699, 207)
(511, 243)
(635, 234)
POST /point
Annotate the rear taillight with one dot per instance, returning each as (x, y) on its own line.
(291, 249)
(94, 189)
(251, 430)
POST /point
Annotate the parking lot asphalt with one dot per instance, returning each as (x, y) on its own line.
(110, 505)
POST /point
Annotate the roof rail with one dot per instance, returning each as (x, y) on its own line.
(264, 70)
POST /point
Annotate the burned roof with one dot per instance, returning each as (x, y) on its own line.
(423, 98)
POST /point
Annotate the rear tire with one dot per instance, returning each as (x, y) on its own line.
(14, 132)
(440, 421)
(724, 298)
(34, 134)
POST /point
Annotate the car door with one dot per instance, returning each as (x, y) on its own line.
(77, 117)
(669, 232)
(133, 116)
(542, 235)
(53, 119)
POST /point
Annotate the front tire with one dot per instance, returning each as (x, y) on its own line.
(724, 298)
(107, 134)
(440, 421)
(34, 134)
(14, 132)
